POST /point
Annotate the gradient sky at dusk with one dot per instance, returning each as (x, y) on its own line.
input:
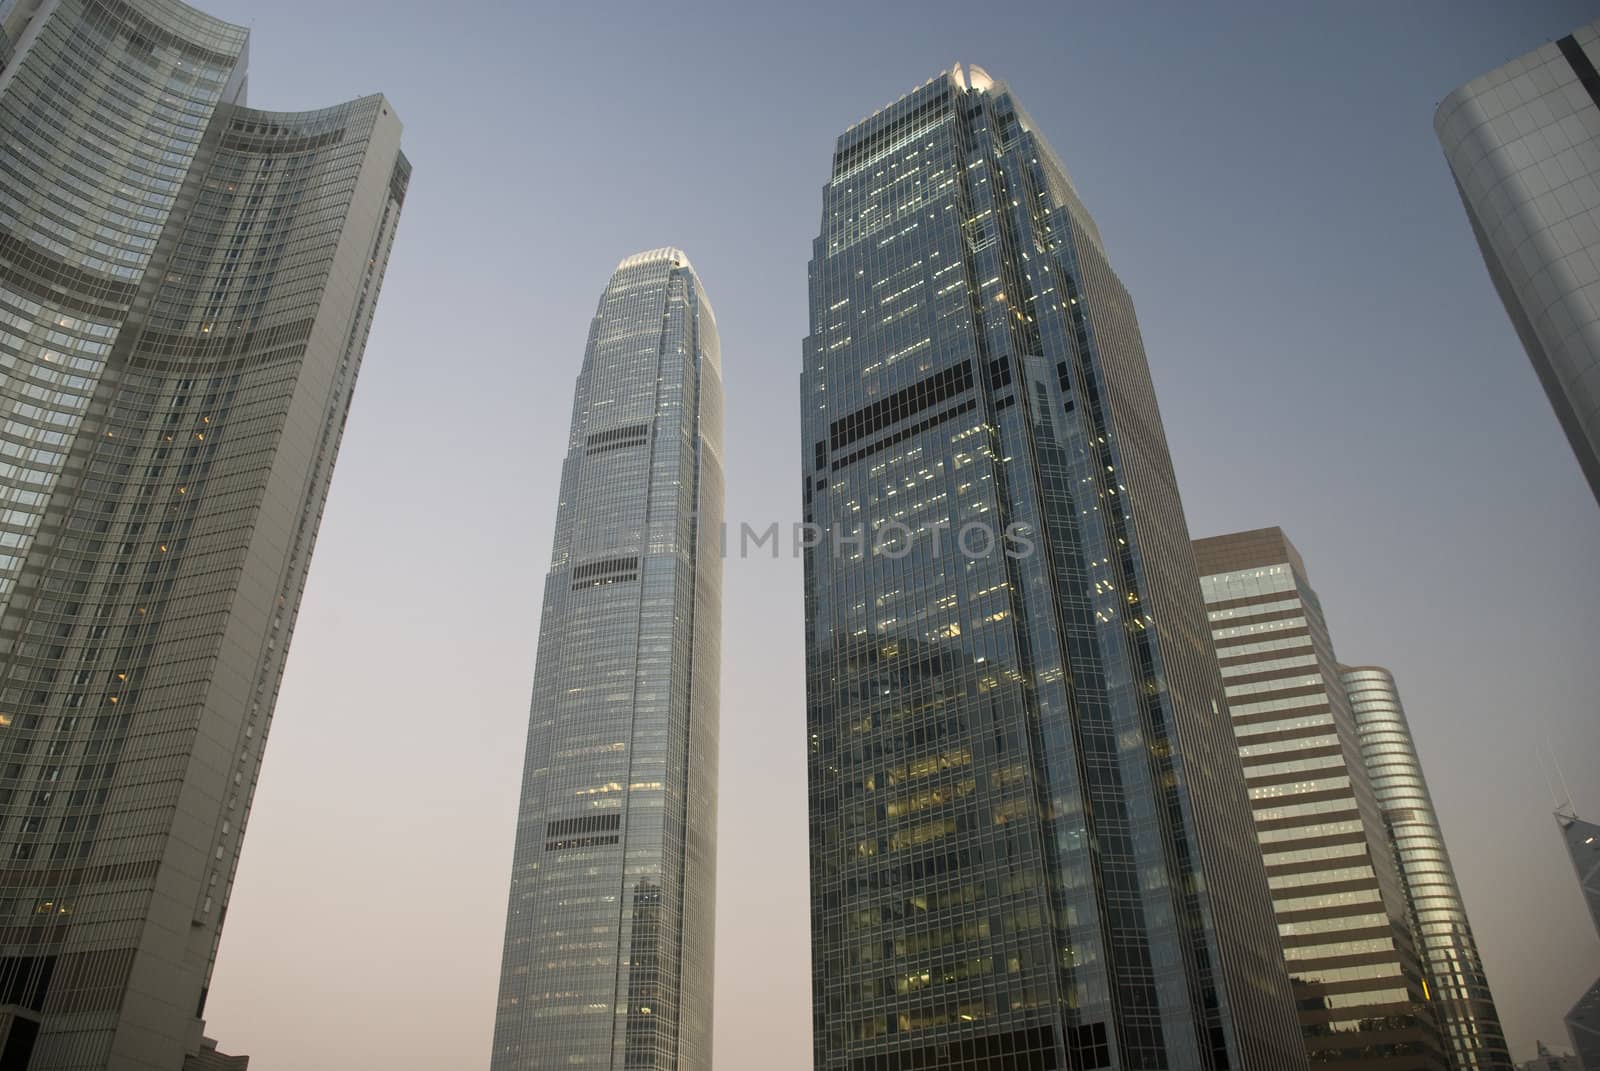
(1327, 348)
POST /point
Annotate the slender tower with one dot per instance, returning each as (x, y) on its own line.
(1460, 989)
(186, 287)
(1030, 840)
(608, 949)
(1341, 904)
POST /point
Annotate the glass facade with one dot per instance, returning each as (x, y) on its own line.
(1444, 938)
(1341, 905)
(609, 932)
(1030, 841)
(186, 286)
(1521, 142)
(1583, 845)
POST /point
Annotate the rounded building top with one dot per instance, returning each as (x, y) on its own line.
(678, 258)
(977, 78)
(192, 25)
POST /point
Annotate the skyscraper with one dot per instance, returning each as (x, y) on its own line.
(186, 287)
(1583, 1021)
(1444, 941)
(1524, 144)
(1030, 841)
(1341, 906)
(608, 948)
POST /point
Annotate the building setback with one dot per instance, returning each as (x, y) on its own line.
(209, 1059)
(1030, 841)
(608, 947)
(1523, 142)
(186, 287)
(1443, 935)
(1341, 906)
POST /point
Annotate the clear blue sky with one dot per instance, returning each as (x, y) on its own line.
(1327, 348)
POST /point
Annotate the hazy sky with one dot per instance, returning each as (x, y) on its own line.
(1328, 351)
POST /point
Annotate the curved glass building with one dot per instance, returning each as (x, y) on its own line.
(186, 287)
(1449, 954)
(608, 946)
(1031, 846)
(1520, 144)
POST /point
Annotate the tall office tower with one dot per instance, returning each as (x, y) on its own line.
(1583, 1021)
(1340, 902)
(608, 949)
(186, 286)
(1523, 142)
(1444, 941)
(1030, 840)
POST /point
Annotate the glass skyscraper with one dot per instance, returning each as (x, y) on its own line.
(1341, 904)
(1521, 142)
(1031, 845)
(1444, 940)
(608, 947)
(1583, 1021)
(186, 287)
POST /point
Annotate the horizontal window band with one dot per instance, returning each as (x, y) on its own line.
(907, 402)
(612, 435)
(153, 345)
(590, 823)
(620, 445)
(629, 564)
(79, 875)
(579, 842)
(283, 140)
(39, 273)
(602, 580)
(901, 436)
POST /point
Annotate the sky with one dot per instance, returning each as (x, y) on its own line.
(1327, 348)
